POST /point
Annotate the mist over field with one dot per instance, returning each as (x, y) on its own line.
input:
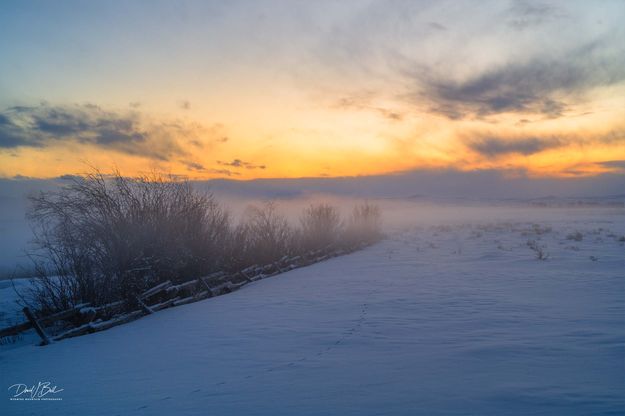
(407, 198)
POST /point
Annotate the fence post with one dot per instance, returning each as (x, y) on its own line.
(143, 306)
(35, 324)
(210, 291)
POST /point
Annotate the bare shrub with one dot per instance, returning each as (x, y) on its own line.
(320, 227)
(263, 236)
(576, 236)
(539, 250)
(364, 225)
(102, 238)
(540, 230)
(107, 238)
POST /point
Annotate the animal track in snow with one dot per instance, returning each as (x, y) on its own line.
(345, 335)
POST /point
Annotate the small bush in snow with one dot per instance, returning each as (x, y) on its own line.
(539, 251)
(576, 236)
(540, 230)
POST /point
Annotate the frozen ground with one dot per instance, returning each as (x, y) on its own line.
(453, 319)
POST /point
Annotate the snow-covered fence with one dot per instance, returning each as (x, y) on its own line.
(44, 321)
(83, 319)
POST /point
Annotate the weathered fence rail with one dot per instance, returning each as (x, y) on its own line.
(83, 319)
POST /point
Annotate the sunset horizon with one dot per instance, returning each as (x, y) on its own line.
(249, 90)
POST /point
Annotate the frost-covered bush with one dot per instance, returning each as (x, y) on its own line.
(105, 238)
(364, 224)
(321, 226)
(263, 236)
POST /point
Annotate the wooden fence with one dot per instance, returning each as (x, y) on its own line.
(84, 319)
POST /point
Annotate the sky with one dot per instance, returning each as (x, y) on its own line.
(287, 89)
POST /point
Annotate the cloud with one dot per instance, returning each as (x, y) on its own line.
(390, 115)
(198, 167)
(478, 66)
(123, 131)
(208, 136)
(193, 166)
(618, 165)
(436, 26)
(540, 85)
(238, 163)
(525, 14)
(494, 146)
(363, 102)
(34, 126)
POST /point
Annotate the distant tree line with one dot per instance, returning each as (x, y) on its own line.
(103, 238)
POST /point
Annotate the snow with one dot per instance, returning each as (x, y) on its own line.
(445, 317)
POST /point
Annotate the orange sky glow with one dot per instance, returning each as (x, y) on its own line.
(271, 89)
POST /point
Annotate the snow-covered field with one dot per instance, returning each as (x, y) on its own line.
(450, 316)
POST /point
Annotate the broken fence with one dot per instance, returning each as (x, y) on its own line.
(84, 319)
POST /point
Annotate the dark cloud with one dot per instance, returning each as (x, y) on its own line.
(193, 166)
(9, 138)
(389, 114)
(491, 145)
(494, 146)
(613, 164)
(238, 163)
(540, 85)
(436, 26)
(44, 125)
